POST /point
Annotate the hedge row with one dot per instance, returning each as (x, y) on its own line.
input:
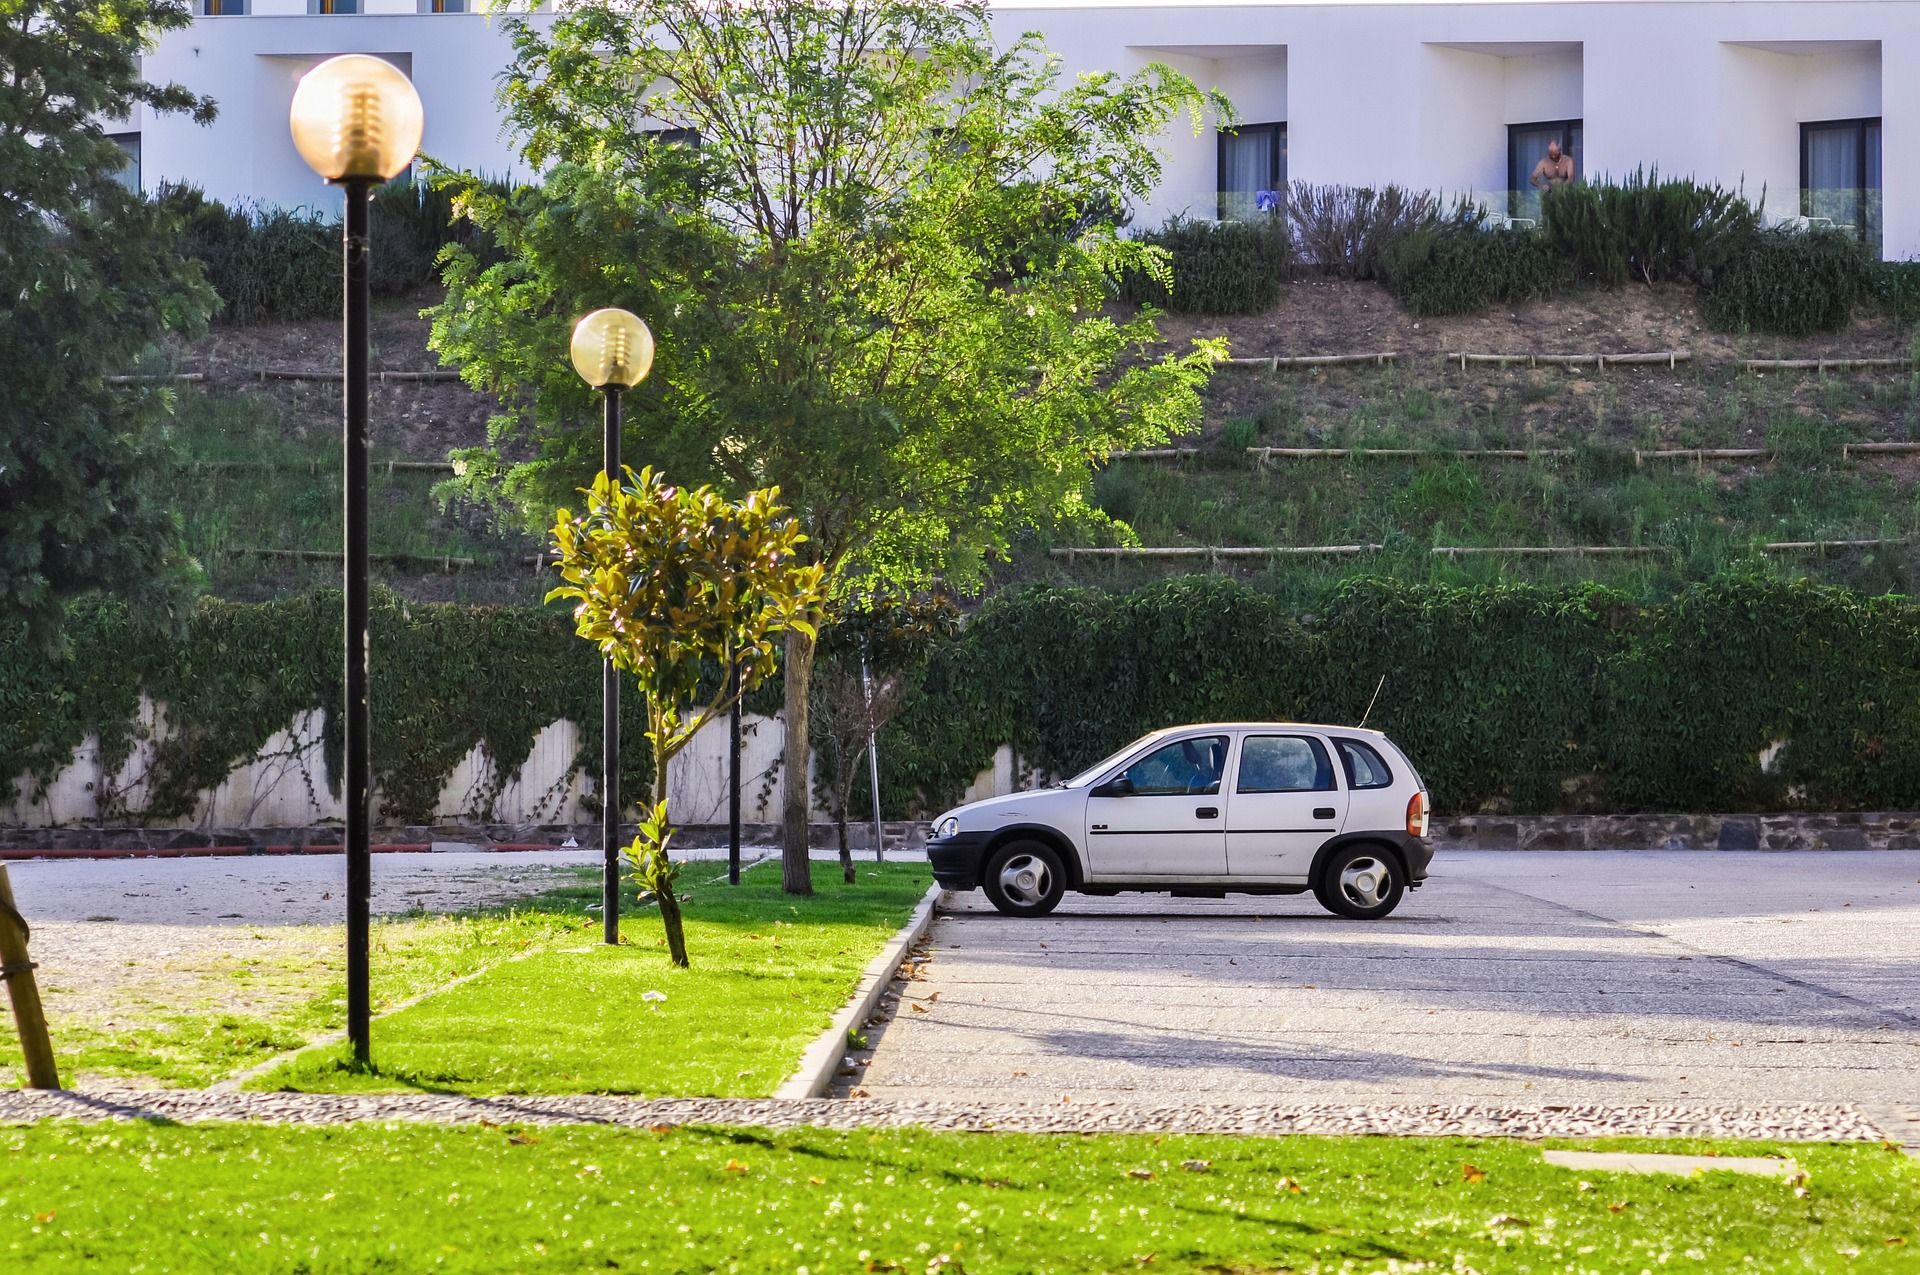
(1508, 698)
(272, 264)
(1441, 261)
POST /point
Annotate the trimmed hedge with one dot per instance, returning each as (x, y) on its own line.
(1232, 267)
(1509, 698)
(1460, 269)
(271, 264)
(1790, 283)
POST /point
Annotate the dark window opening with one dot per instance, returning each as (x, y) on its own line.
(1252, 170)
(1526, 147)
(129, 174)
(1840, 174)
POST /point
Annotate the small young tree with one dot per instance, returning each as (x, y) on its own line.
(859, 684)
(675, 586)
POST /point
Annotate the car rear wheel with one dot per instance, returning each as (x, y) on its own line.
(1025, 878)
(1363, 882)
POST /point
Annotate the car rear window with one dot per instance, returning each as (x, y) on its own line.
(1364, 765)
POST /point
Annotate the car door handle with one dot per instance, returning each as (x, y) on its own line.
(1208, 812)
(1323, 812)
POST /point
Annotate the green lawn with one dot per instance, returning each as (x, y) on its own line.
(191, 1019)
(407, 1197)
(768, 973)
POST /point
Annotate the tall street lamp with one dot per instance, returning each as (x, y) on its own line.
(356, 120)
(612, 351)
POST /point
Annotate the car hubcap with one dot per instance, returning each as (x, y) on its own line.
(1364, 882)
(1025, 880)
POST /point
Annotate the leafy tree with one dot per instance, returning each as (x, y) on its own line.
(672, 586)
(877, 252)
(861, 679)
(92, 278)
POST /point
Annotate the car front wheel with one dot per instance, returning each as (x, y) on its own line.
(1025, 878)
(1363, 882)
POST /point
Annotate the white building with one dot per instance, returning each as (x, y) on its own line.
(1796, 98)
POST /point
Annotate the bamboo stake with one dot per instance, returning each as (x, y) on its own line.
(326, 374)
(156, 378)
(17, 971)
(1670, 358)
(1276, 362)
(1821, 365)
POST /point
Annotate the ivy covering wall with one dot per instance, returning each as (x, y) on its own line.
(1518, 699)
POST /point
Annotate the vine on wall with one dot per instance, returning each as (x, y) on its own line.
(1510, 698)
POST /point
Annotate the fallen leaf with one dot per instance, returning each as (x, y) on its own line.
(735, 1166)
(44, 1218)
(659, 1128)
(1471, 1175)
(1507, 1219)
(1292, 1187)
(1197, 1166)
(589, 1170)
(918, 1008)
(1586, 1186)
(1621, 1207)
(816, 1181)
(522, 1139)
(1896, 1241)
(1145, 1175)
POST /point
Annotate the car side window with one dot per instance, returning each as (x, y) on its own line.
(1186, 766)
(1364, 765)
(1283, 763)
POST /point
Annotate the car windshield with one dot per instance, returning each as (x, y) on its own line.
(1098, 768)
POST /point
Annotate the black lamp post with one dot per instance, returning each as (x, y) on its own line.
(356, 120)
(612, 351)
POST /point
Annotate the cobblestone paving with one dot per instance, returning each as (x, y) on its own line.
(1782, 1123)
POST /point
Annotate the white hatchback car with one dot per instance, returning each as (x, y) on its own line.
(1198, 811)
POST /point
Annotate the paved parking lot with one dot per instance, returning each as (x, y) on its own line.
(1606, 977)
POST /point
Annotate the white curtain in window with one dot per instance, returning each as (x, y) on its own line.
(1833, 173)
(1246, 162)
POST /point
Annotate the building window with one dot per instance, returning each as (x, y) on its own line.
(1526, 147)
(333, 6)
(1253, 164)
(1840, 174)
(129, 174)
(443, 6)
(222, 8)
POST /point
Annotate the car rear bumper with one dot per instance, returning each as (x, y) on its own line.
(956, 860)
(1417, 852)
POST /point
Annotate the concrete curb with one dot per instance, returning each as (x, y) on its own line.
(814, 1076)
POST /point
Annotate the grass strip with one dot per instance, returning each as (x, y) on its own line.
(189, 1020)
(769, 970)
(141, 1198)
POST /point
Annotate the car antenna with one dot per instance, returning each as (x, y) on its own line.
(1370, 703)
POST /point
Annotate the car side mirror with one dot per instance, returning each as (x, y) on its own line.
(1120, 786)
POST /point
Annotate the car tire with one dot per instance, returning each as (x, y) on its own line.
(1363, 882)
(1025, 878)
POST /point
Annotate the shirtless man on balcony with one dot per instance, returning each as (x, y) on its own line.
(1555, 170)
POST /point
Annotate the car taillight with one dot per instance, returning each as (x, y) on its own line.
(1417, 815)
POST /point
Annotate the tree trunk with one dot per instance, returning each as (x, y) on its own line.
(663, 876)
(846, 855)
(795, 876)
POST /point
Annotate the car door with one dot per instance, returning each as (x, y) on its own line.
(1286, 800)
(1163, 816)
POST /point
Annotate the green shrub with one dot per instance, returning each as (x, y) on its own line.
(1344, 230)
(272, 264)
(1241, 433)
(1457, 268)
(1896, 285)
(1507, 697)
(1234, 267)
(1645, 228)
(1790, 283)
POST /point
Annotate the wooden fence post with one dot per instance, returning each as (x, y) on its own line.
(17, 971)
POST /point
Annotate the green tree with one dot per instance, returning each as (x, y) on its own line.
(93, 278)
(676, 586)
(878, 254)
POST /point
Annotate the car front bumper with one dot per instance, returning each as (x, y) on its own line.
(956, 860)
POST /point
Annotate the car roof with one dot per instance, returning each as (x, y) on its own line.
(1312, 726)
